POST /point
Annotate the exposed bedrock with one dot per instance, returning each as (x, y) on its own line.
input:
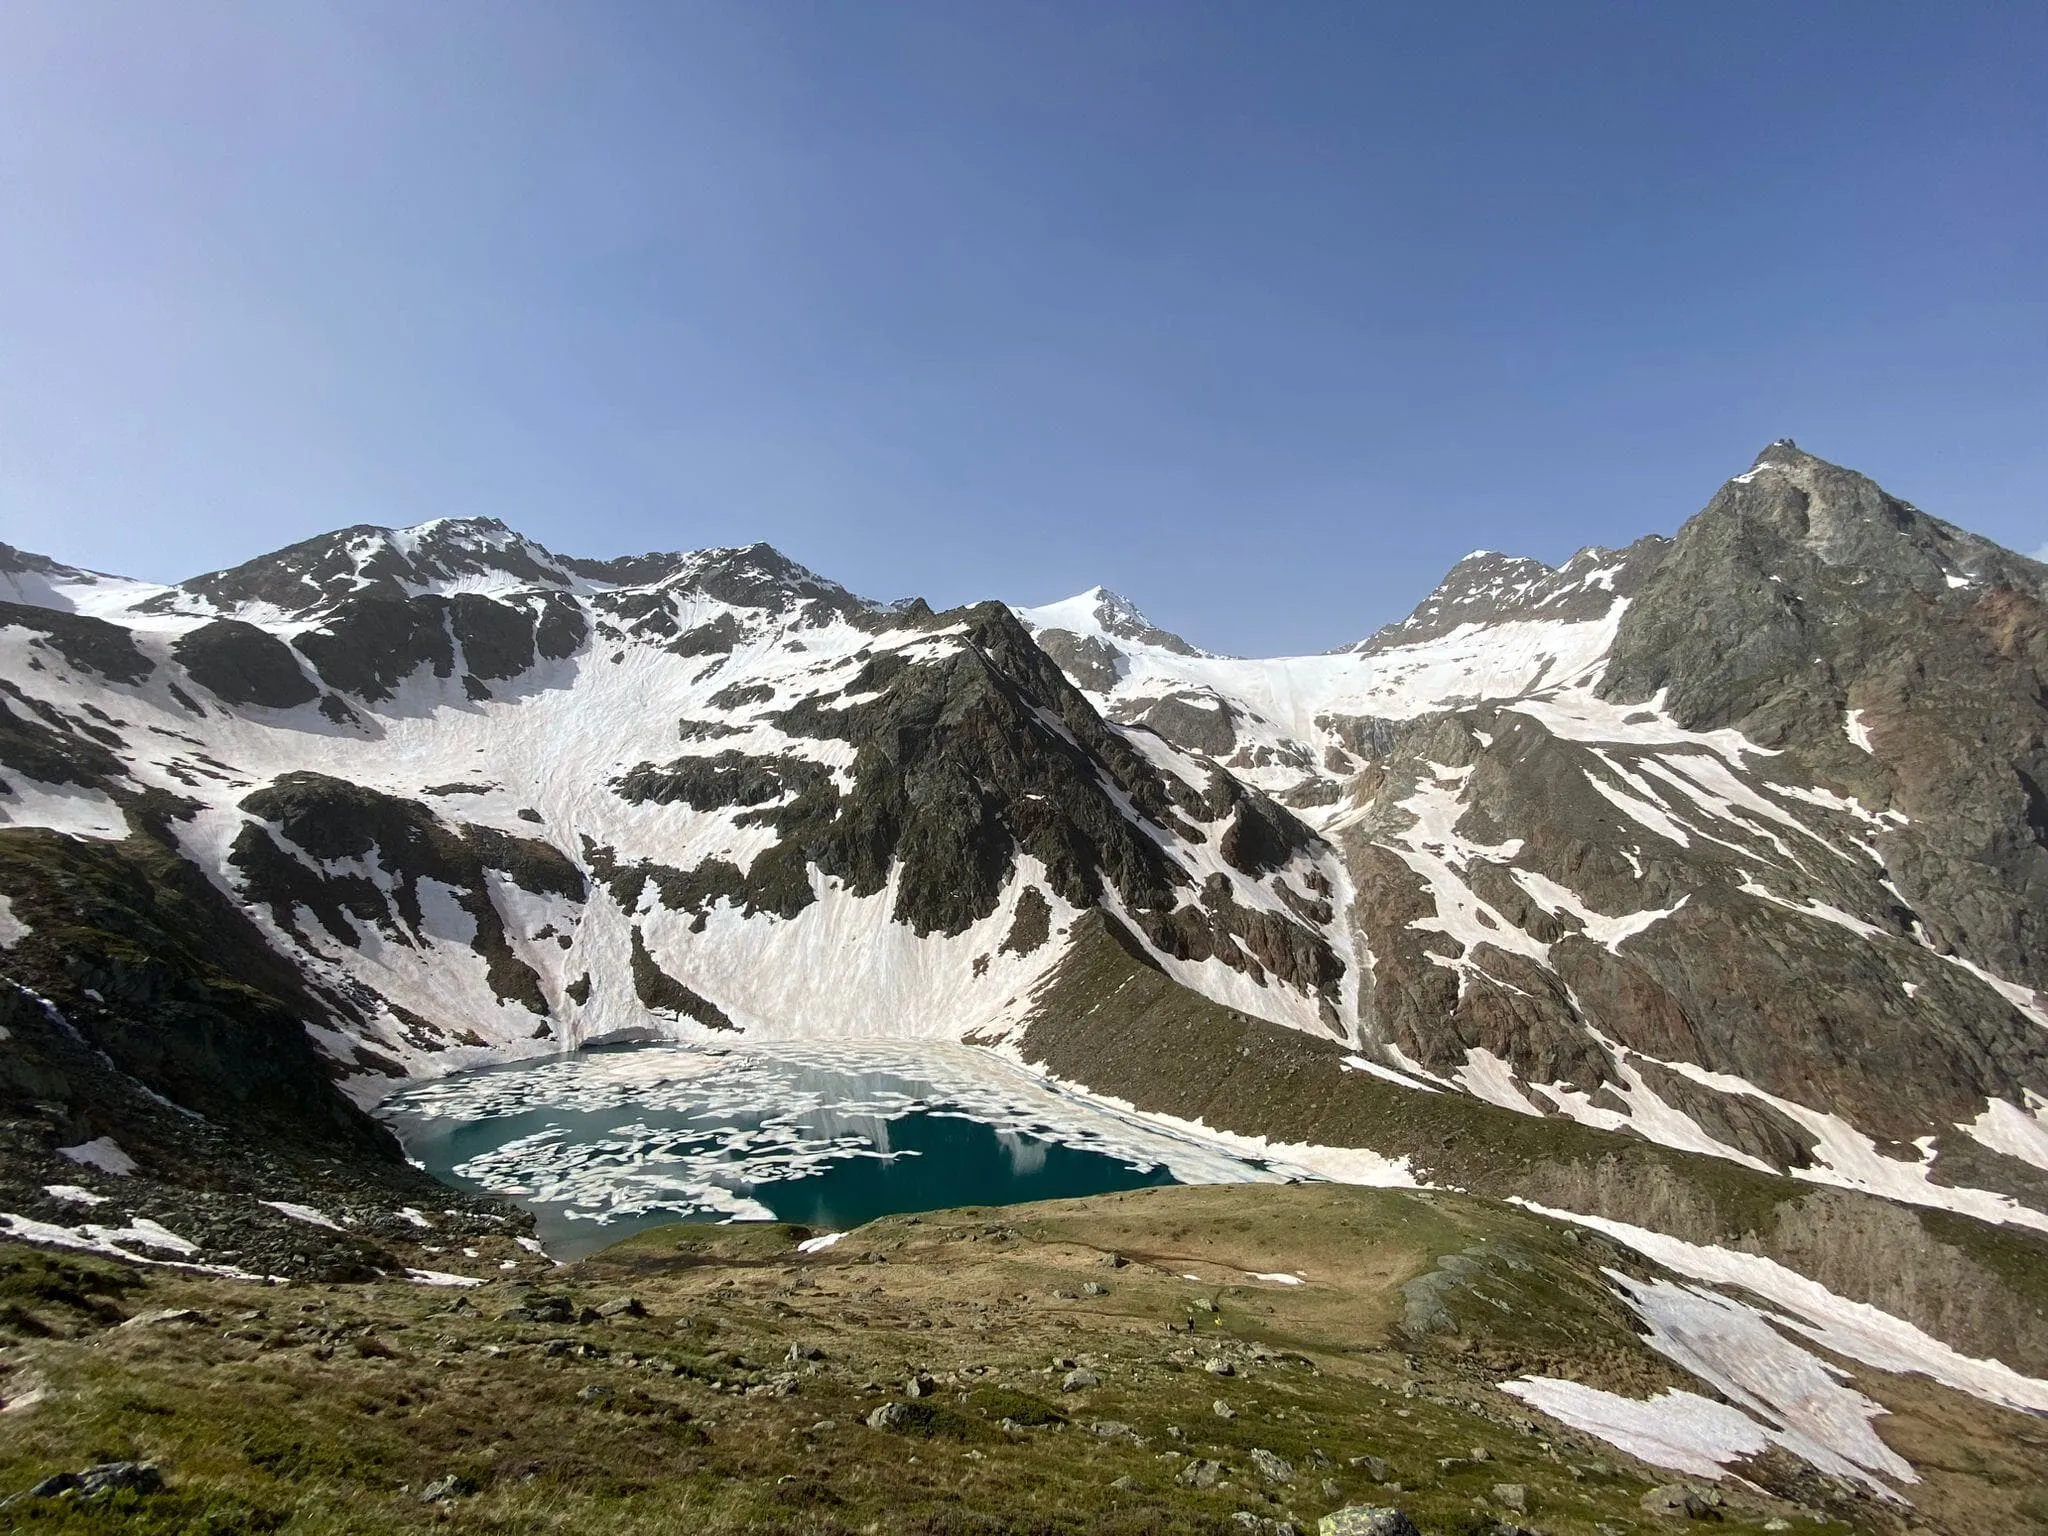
(240, 664)
(366, 858)
(1804, 591)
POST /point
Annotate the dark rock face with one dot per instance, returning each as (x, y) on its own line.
(1194, 722)
(1089, 660)
(496, 638)
(333, 822)
(1802, 906)
(191, 1001)
(240, 664)
(662, 992)
(1802, 592)
(42, 742)
(372, 644)
(726, 779)
(93, 644)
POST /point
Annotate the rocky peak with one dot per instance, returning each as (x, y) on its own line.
(759, 576)
(1791, 507)
(1103, 617)
(1490, 588)
(364, 561)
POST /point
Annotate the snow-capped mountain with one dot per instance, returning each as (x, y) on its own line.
(1732, 842)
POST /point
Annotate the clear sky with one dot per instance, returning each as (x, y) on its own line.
(1260, 313)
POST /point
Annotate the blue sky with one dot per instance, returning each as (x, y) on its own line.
(1261, 314)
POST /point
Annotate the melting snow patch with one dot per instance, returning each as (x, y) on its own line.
(819, 1244)
(1857, 732)
(101, 1153)
(1278, 1277)
(2020, 1133)
(1854, 1329)
(116, 1242)
(1366, 1064)
(1606, 931)
(141, 1229)
(439, 1277)
(1680, 1430)
(1781, 1394)
(12, 929)
(74, 1194)
(415, 1217)
(304, 1213)
(1486, 1076)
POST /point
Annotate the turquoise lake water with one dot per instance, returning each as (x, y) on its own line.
(603, 1143)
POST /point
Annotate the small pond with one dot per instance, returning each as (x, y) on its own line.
(604, 1142)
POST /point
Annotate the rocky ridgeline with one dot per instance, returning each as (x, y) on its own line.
(1733, 842)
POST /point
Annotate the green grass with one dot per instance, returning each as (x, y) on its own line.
(318, 1409)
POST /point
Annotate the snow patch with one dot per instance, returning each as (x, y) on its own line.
(1853, 1329)
(103, 1153)
(74, 1194)
(305, 1213)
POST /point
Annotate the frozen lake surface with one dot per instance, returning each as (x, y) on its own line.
(605, 1142)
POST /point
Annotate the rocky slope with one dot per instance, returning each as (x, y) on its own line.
(1732, 843)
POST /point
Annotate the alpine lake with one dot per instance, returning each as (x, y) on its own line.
(607, 1141)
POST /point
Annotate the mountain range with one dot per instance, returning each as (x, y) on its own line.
(1699, 884)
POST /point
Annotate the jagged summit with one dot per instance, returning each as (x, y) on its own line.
(1104, 615)
(1487, 588)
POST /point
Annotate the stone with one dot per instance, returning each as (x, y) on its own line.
(1199, 1474)
(1678, 1501)
(1274, 1469)
(805, 1352)
(1374, 1467)
(1204, 1304)
(1514, 1496)
(1094, 1288)
(890, 1416)
(1219, 1368)
(449, 1487)
(920, 1385)
(1366, 1520)
(1222, 1410)
(623, 1306)
(1125, 1484)
(1079, 1381)
(1332, 1490)
(596, 1392)
(1113, 1429)
(164, 1316)
(103, 1478)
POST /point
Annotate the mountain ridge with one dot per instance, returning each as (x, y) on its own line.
(1601, 844)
